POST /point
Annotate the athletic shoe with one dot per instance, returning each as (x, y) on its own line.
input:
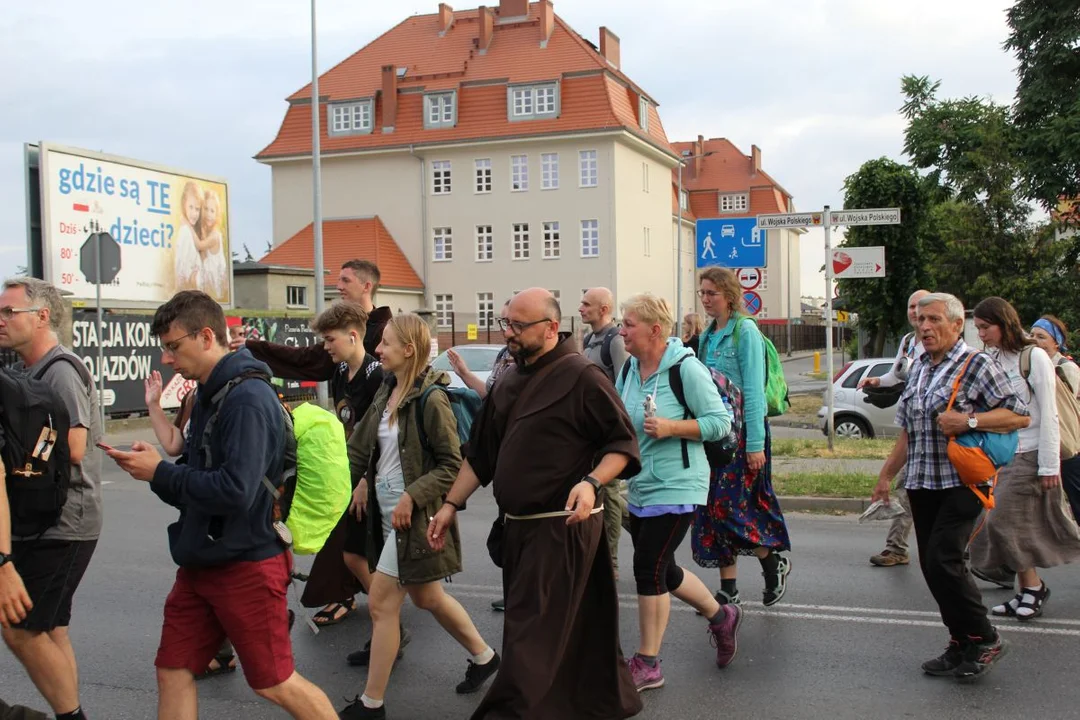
(888, 558)
(477, 675)
(357, 710)
(947, 662)
(776, 582)
(646, 677)
(361, 658)
(725, 635)
(499, 606)
(1002, 576)
(979, 658)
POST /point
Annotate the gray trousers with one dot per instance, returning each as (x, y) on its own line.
(900, 528)
(615, 517)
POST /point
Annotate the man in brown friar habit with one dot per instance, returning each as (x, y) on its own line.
(550, 435)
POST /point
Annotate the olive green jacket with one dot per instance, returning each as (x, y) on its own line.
(429, 473)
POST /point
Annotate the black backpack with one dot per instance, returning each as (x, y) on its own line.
(35, 425)
(605, 349)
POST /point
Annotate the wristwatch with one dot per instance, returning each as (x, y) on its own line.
(973, 422)
(596, 484)
(5, 558)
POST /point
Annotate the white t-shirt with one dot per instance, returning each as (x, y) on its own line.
(389, 464)
(186, 257)
(1043, 434)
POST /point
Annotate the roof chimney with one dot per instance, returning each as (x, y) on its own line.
(513, 9)
(446, 18)
(547, 21)
(755, 158)
(699, 151)
(389, 98)
(609, 46)
(487, 28)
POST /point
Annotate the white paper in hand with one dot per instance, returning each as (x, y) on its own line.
(878, 510)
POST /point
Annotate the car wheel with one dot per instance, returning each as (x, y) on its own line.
(853, 429)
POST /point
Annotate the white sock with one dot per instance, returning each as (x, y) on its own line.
(485, 657)
(369, 703)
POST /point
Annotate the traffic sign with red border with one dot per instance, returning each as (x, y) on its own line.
(752, 302)
(750, 278)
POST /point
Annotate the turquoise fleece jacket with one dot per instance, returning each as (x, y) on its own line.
(663, 480)
(742, 363)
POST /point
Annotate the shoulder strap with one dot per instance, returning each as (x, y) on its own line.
(216, 401)
(605, 348)
(675, 381)
(84, 374)
(959, 378)
(625, 371)
(421, 403)
(1025, 361)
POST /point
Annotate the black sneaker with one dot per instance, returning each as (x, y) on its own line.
(357, 710)
(477, 675)
(776, 582)
(361, 658)
(1001, 576)
(979, 657)
(499, 606)
(946, 663)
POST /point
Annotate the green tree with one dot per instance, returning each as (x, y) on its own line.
(885, 183)
(1045, 37)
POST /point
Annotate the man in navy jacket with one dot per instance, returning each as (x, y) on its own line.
(234, 571)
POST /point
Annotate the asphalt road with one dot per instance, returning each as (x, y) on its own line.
(846, 642)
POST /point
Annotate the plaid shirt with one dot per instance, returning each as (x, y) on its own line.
(984, 387)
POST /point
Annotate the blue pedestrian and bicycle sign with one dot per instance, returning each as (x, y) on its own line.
(730, 243)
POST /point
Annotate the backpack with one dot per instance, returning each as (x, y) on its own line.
(1068, 407)
(720, 453)
(605, 349)
(323, 486)
(35, 425)
(465, 404)
(776, 389)
(281, 488)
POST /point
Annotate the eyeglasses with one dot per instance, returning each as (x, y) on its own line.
(708, 294)
(520, 327)
(173, 345)
(6, 313)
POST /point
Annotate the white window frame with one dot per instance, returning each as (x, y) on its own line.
(684, 200)
(485, 305)
(645, 177)
(483, 176)
(588, 168)
(533, 102)
(734, 202)
(590, 238)
(520, 240)
(440, 110)
(552, 240)
(441, 177)
(296, 296)
(549, 171)
(647, 238)
(643, 113)
(485, 243)
(351, 118)
(442, 244)
(444, 309)
(519, 173)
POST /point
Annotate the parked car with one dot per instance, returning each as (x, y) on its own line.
(480, 359)
(855, 417)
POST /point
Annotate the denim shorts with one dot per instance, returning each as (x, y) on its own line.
(388, 492)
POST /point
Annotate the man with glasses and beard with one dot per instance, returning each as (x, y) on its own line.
(551, 434)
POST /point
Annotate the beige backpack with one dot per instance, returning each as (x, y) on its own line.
(1068, 407)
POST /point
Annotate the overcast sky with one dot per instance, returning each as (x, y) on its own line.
(201, 84)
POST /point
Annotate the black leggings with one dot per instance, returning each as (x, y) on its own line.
(655, 541)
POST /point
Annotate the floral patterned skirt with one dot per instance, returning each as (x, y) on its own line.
(742, 513)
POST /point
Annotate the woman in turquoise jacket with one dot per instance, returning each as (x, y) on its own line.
(742, 516)
(674, 478)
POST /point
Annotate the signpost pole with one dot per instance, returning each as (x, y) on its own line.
(679, 260)
(829, 400)
(789, 317)
(316, 184)
(100, 326)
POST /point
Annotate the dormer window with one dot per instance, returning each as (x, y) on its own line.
(440, 110)
(643, 113)
(352, 118)
(533, 102)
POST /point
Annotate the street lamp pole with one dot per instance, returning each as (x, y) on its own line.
(679, 259)
(316, 184)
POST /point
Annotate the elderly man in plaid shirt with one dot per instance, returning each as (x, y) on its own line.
(943, 510)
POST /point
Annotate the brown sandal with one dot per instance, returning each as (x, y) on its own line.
(226, 663)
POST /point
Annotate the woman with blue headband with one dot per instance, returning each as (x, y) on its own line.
(1049, 333)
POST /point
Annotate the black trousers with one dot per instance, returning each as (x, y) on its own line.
(944, 520)
(1070, 480)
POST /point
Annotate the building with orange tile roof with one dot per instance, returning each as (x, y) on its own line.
(721, 181)
(497, 148)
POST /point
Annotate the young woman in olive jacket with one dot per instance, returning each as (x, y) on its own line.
(401, 481)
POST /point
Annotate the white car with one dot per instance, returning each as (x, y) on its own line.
(727, 231)
(480, 359)
(853, 416)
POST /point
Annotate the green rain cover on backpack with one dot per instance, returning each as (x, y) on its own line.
(776, 389)
(323, 482)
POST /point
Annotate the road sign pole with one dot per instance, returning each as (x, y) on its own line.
(100, 328)
(788, 302)
(316, 186)
(679, 258)
(829, 401)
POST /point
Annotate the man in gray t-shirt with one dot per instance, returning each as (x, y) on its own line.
(52, 566)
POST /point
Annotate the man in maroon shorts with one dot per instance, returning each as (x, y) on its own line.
(234, 570)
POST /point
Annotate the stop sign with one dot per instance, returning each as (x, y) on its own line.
(110, 258)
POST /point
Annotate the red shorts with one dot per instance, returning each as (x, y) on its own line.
(244, 601)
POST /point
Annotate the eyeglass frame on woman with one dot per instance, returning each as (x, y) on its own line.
(8, 313)
(519, 327)
(708, 293)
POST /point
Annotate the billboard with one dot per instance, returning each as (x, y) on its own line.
(160, 230)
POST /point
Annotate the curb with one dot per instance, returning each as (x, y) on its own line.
(847, 506)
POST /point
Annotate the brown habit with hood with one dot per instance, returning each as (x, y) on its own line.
(561, 656)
